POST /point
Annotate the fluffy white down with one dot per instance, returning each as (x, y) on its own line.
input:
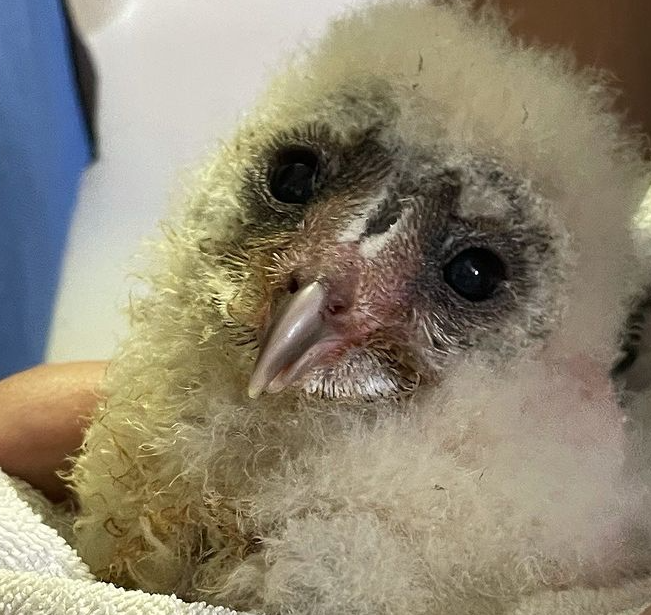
(502, 482)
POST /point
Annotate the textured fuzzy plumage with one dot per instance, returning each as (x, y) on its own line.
(458, 459)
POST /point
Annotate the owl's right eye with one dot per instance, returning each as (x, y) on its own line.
(293, 176)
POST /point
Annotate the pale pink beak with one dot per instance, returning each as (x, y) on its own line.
(299, 337)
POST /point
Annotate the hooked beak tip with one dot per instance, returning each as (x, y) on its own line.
(254, 392)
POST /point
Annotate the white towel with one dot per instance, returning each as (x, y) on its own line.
(40, 574)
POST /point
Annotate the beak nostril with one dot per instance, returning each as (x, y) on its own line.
(336, 307)
(338, 303)
(293, 285)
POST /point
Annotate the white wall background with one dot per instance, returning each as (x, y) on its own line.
(175, 76)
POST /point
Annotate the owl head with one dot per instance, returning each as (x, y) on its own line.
(396, 204)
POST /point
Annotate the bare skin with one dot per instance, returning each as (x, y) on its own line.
(43, 413)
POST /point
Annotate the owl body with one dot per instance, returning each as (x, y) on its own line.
(371, 374)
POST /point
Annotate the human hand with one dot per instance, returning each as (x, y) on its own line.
(43, 414)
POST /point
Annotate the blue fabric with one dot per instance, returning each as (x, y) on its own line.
(44, 146)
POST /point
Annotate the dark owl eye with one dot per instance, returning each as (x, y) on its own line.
(293, 176)
(475, 273)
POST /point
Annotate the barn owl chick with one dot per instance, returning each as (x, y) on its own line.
(371, 372)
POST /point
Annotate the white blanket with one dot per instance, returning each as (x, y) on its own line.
(40, 574)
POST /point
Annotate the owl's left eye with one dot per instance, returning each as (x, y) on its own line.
(293, 176)
(475, 274)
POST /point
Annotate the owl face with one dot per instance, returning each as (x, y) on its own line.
(364, 265)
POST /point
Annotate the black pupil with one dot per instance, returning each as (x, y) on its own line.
(475, 274)
(294, 175)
